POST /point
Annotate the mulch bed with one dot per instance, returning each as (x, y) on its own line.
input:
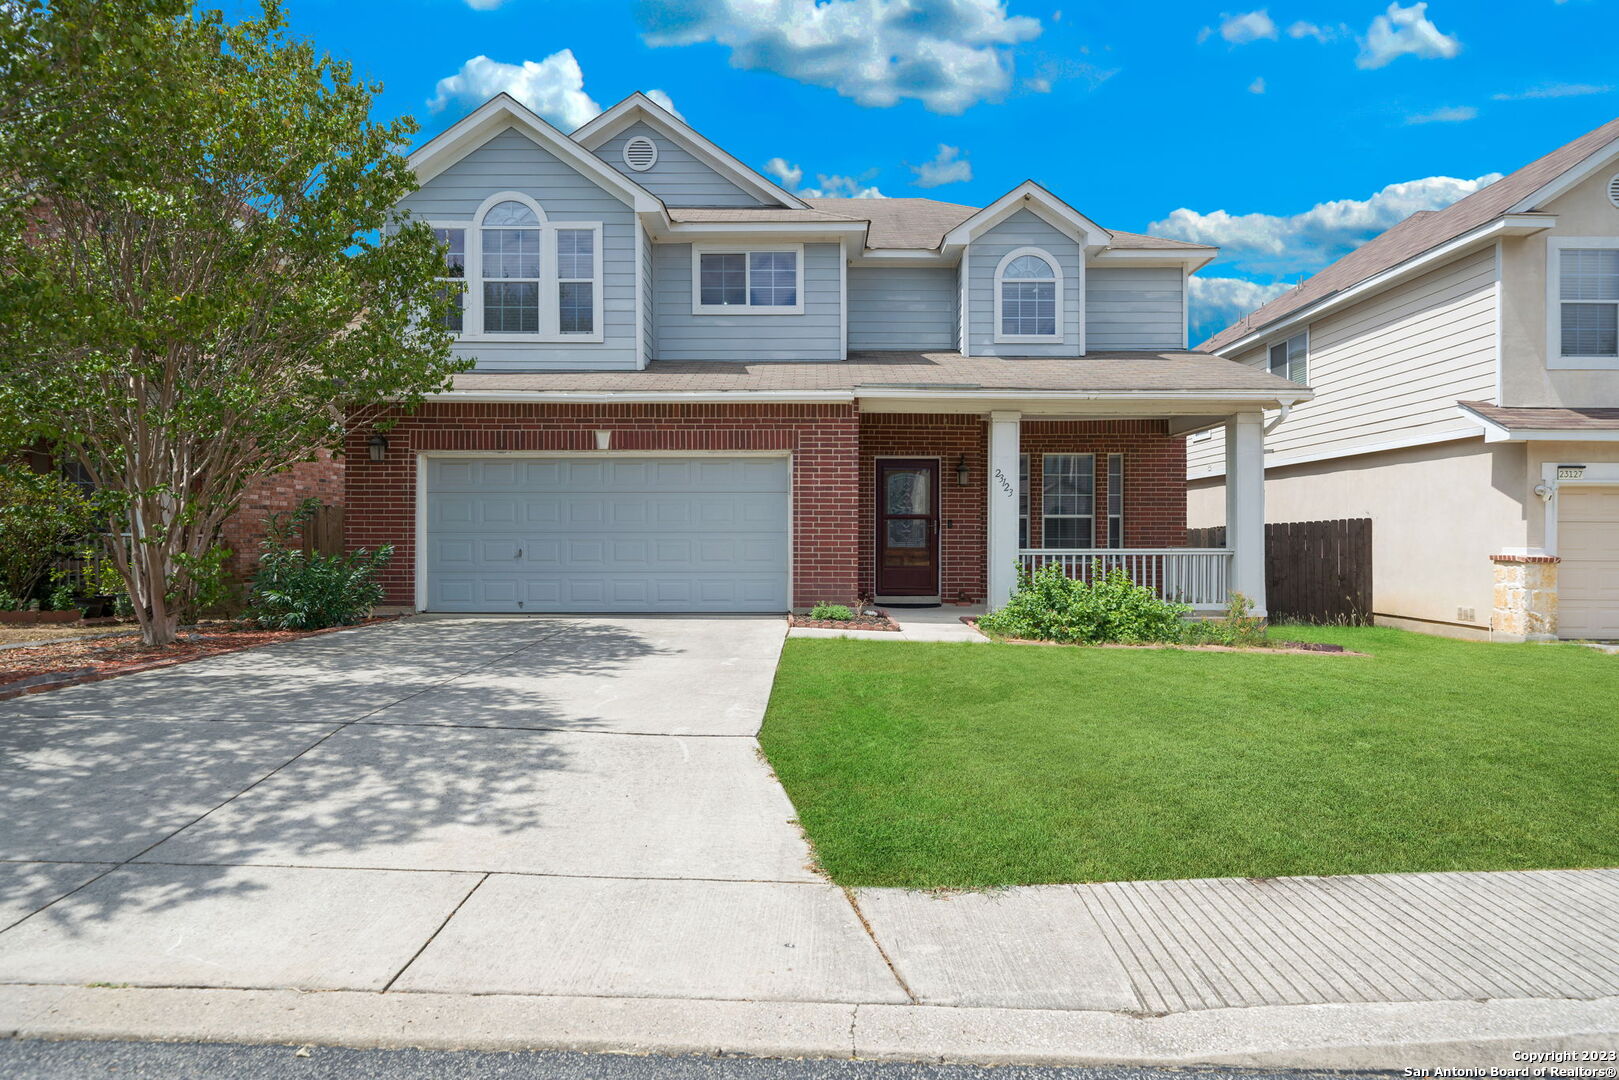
(880, 621)
(67, 663)
(1273, 647)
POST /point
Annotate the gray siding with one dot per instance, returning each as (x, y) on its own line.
(1139, 307)
(679, 179)
(1022, 229)
(815, 335)
(512, 162)
(902, 307)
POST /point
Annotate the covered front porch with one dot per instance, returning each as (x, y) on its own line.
(955, 499)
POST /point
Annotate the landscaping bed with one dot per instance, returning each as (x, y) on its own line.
(940, 767)
(880, 621)
(1268, 645)
(64, 663)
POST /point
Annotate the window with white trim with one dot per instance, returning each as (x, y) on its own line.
(526, 278)
(748, 281)
(454, 277)
(1068, 500)
(1588, 302)
(1023, 500)
(1290, 359)
(1115, 500)
(1028, 288)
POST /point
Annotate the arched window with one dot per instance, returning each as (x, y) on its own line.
(1028, 289)
(510, 238)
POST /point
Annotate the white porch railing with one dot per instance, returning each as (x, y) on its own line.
(1194, 576)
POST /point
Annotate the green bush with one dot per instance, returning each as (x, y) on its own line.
(1238, 628)
(834, 612)
(40, 513)
(295, 591)
(1110, 608)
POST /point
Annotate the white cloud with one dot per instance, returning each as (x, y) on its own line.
(1404, 31)
(660, 98)
(1289, 243)
(1323, 34)
(840, 187)
(484, 5)
(947, 54)
(1247, 27)
(1217, 302)
(1555, 90)
(1257, 86)
(553, 87)
(1452, 114)
(947, 167)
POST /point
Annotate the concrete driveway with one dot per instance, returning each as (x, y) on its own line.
(528, 805)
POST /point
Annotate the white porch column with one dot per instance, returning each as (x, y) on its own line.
(1003, 505)
(1245, 505)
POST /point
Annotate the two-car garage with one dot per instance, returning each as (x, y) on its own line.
(605, 533)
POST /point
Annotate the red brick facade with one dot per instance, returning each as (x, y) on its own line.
(834, 450)
(823, 439)
(243, 531)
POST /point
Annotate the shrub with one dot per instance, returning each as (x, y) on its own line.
(39, 514)
(296, 591)
(834, 612)
(1051, 606)
(1238, 628)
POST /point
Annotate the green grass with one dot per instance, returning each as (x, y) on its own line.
(981, 765)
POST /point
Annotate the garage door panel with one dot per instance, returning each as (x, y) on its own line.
(608, 534)
(1588, 579)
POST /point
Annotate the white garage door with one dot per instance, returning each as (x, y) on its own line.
(1588, 579)
(607, 534)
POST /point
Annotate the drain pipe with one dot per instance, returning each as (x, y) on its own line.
(1287, 407)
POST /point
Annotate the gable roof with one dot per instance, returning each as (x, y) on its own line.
(1031, 196)
(921, 224)
(639, 107)
(1521, 191)
(502, 112)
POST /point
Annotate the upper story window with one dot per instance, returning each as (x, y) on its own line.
(1587, 308)
(455, 272)
(527, 278)
(1290, 359)
(1027, 286)
(753, 281)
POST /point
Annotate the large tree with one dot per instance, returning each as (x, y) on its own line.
(202, 276)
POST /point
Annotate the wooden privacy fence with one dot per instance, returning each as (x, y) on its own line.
(323, 532)
(1315, 571)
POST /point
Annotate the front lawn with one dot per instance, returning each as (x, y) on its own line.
(980, 765)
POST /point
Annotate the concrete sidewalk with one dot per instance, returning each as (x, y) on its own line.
(550, 833)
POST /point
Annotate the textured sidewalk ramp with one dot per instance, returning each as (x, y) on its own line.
(1231, 942)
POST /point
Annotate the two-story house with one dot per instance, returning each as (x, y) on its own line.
(696, 391)
(1466, 366)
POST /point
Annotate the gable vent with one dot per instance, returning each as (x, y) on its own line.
(640, 153)
(1613, 190)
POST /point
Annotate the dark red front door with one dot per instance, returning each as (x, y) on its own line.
(907, 527)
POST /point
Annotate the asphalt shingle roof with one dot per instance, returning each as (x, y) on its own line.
(1546, 419)
(1101, 372)
(1422, 231)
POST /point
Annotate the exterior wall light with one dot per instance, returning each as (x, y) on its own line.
(378, 445)
(962, 471)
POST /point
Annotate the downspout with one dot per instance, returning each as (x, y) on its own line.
(1281, 415)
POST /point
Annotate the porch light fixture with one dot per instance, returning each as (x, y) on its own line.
(378, 445)
(962, 471)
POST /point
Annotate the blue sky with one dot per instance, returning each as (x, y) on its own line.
(1286, 133)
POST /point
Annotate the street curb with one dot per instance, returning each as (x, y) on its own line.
(1360, 1036)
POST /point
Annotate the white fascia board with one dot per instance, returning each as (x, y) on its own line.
(903, 257)
(1510, 225)
(1030, 195)
(1246, 398)
(640, 107)
(1192, 258)
(501, 112)
(639, 397)
(772, 232)
(1568, 179)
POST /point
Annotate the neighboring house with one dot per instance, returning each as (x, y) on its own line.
(1466, 366)
(696, 391)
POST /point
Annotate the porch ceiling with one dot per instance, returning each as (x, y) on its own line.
(937, 381)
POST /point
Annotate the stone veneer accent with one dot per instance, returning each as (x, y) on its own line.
(1525, 596)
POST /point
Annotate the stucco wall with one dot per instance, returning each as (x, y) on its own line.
(1582, 211)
